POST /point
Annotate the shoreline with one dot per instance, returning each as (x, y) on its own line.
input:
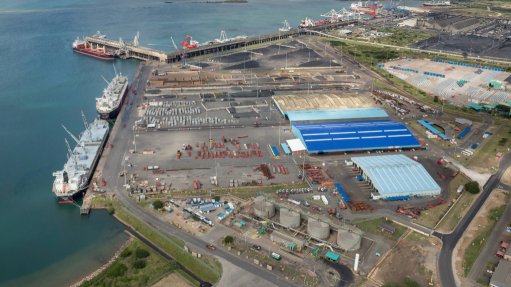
(102, 268)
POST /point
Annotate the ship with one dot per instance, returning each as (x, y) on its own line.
(110, 102)
(437, 3)
(74, 178)
(285, 27)
(367, 7)
(80, 46)
(309, 23)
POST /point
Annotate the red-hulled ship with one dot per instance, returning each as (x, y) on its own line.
(81, 47)
(368, 7)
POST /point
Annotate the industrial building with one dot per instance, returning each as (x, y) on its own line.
(300, 108)
(326, 137)
(396, 177)
(502, 275)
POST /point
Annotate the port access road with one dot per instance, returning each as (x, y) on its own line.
(121, 139)
(449, 241)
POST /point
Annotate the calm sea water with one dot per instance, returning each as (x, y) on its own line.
(43, 85)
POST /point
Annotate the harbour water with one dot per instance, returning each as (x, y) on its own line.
(43, 85)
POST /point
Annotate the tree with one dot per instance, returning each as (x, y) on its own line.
(117, 269)
(216, 198)
(139, 264)
(126, 253)
(435, 99)
(472, 187)
(141, 253)
(158, 204)
(228, 239)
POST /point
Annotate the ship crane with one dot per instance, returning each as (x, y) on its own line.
(70, 153)
(285, 26)
(74, 138)
(135, 39)
(86, 124)
(182, 55)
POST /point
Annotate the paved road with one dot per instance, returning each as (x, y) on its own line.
(445, 265)
(122, 141)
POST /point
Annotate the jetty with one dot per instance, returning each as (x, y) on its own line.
(133, 50)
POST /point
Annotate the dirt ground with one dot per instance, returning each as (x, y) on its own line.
(494, 200)
(506, 178)
(174, 280)
(421, 255)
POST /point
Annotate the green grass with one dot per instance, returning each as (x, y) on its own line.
(484, 156)
(432, 216)
(173, 246)
(188, 278)
(372, 226)
(475, 247)
(456, 213)
(403, 37)
(156, 267)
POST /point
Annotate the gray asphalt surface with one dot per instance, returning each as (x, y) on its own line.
(121, 143)
(450, 240)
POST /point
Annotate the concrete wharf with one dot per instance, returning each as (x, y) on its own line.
(129, 50)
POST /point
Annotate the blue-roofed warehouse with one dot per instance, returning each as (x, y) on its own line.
(328, 137)
(396, 177)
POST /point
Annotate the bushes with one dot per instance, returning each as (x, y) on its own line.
(141, 253)
(117, 269)
(126, 253)
(472, 187)
(158, 204)
(139, 264)
(228, 239)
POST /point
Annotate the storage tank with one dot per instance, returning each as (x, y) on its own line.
(349, 239)
(263, 208)
(289, 218)
(318, 229)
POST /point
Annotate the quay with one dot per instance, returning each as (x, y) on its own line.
(133, 50)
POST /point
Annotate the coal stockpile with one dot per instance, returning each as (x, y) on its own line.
(472, 44)
(273, 50)
(234, 58)
(245, 65)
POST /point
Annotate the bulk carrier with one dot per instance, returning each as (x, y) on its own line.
(109, 104)
(82, 47)
(76, 175)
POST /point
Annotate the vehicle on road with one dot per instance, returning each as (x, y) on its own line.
(211, 247)
(276, 256)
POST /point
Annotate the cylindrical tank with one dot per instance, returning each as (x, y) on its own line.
(349, 239)
(318, 229)
(263, 208)
(289, 218)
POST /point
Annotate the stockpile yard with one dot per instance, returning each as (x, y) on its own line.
(455, 82)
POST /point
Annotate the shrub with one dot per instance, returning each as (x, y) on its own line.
(126, 253)
(472, 187)
(141, 253)
(139, 264)
(228, 239)
(117, 269)
(216, 198)
(158, 204)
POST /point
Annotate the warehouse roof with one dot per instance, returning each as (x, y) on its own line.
(319, 107)
(336, 114)
(394, 175)
(502, 275)
(354, 136)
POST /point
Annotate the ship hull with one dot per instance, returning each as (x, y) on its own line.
(112, 115)
(104, 57)
(71, 197)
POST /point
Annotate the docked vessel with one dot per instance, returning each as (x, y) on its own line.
(367, 7)
(437, 3)
(308, 23)
(82, 47)
(110, 102)
(76, 175)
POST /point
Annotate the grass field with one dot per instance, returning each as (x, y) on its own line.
(431, 217)
(403, 37)
(173, 246)
(373, 226)
(128, 270)
(484, 156)
(473, 250)
(457, 212)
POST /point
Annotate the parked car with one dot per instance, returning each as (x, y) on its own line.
(256, 247)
